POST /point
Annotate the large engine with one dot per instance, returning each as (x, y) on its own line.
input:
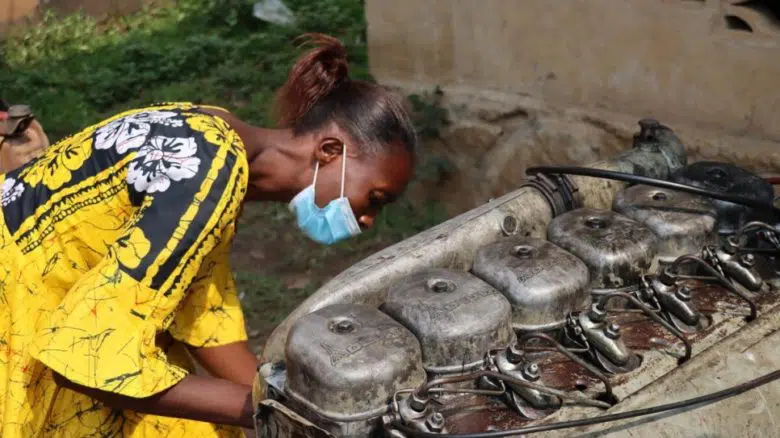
(518, 324)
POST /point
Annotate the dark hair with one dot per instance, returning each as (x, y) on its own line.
(318, 91)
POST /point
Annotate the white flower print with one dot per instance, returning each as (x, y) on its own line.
(132, 131)
(11, 191)
(167, 118)
(161, 161)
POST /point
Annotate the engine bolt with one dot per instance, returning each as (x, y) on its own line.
(531, 372)
(514, 354)
(596, 313)
(612, 331)
(684, 293)
(435, 422)
(748, 260)
(418, 403)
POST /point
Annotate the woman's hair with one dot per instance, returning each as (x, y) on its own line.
(318, 91)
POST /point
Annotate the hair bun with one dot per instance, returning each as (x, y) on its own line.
(315, 75)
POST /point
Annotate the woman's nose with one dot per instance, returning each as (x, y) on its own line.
(366, 221)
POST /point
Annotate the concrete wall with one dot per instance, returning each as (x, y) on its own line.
(672, 59)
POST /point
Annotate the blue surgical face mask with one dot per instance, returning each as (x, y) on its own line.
(328, 225)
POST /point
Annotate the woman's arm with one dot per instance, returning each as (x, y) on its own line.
(234, 362)
(194, 398)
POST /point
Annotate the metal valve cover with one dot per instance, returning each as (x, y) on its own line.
(730, 179)
(618, 250)
(542, 281)
(684, 223)
(457, 317)
(345, 361)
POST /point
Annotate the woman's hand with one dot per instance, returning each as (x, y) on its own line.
(194, 398)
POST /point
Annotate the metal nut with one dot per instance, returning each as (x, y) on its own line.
(418, 403)
(531, 371)
(596, 313)
(612, 331)
(435, 422)
(514, 354)
(747, 260)
(684, 293)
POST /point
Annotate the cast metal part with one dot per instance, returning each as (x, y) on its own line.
(528, 402)
(606, 348)
(457, 317)
(676, 304)
(617, 250)
(345, 362)
(683, 222)
(733, 180)
(541, 281)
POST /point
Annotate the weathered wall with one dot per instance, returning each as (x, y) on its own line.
(673, 59)
(539, 81)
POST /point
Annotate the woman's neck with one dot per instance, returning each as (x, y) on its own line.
(273, 156)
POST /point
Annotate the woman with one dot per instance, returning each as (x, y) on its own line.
(114, 250)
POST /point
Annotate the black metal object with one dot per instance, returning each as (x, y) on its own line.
(732, 180)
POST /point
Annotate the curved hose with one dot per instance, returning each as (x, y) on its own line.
(638, 179)
(669, 407)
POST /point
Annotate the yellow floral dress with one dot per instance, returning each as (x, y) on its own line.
(114, 236)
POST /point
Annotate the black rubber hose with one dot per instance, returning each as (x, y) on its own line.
(676, 406)
(655, 182)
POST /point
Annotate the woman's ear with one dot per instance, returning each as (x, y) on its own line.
(328, 150)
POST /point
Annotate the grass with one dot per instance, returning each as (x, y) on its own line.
(75, 71)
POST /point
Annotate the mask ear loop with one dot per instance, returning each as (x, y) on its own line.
(314, 182)
(343, 168)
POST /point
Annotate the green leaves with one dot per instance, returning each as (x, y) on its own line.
(74, 71)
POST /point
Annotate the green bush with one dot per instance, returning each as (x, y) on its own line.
(74, 71)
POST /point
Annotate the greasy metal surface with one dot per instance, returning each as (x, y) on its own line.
(542, 281)
(457, 317)
(728, 178)
(659, 351)
(683, 222)
(616, 249)
(737, 355)
(345, 362)
(454, 243)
